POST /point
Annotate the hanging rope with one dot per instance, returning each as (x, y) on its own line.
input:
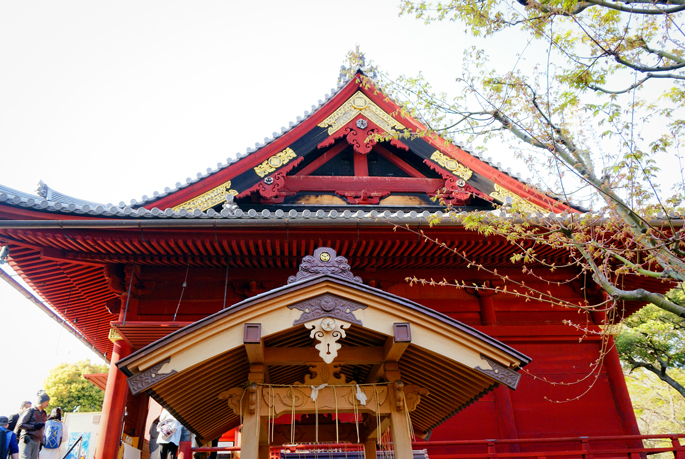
(292, 416)
(130, 283)
(66, 311)
(185, 284)
(225, 285)
(335, 395)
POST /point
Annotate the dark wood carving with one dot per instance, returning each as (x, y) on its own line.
(324, 261)
(327, 305)
(148, 378)
(500, 373)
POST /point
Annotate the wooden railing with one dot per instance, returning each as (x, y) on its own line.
(540, 448)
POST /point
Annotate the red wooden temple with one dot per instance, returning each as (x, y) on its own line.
(143, 284)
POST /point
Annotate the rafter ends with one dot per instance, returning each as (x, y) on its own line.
(252, 333)
(499, 373)
(149, 377)
(402, 332)
(360, 103)
(209, 199)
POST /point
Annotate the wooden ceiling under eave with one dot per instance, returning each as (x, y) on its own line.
(67, 267)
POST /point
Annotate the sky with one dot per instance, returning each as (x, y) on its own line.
(109, 101)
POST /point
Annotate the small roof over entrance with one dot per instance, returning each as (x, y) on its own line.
(323, 328)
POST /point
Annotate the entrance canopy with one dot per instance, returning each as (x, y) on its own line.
(323, 328)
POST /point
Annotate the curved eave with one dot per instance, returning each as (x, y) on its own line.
(150, 353)
(209, 355)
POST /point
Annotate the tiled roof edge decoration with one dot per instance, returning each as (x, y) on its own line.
(18, 199)
(51, 194)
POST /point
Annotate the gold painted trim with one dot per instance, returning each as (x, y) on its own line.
(500, 194)
(276, 161)
(451, 165)
(355, 105)
(209, 199)
(114, 336)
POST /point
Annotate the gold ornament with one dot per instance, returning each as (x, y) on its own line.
(355, 105)
(276, 161)
(209, 199)
(500, 194)
(452, 165)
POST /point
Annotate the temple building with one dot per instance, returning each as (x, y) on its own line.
(270, 295)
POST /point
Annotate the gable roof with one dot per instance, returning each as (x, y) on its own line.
(210, 356)
(291, 163)
(264, 169)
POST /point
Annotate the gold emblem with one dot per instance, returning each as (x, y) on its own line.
(355, 105)
(325, 256)
(275, 162)
(452, 165)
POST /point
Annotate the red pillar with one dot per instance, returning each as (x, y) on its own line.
(185, 450)
(114, 406)
(620, 391)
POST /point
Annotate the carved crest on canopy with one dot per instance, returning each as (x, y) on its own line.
(324, 261)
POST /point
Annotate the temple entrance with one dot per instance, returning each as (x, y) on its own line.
(340, 361)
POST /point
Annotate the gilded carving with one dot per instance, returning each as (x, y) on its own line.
(500, 194)
(209, 199)
(452, 165)
(276, 161)
(114, 335)
(148, 378)
(355, 105)
(500, 373)
(327, 305)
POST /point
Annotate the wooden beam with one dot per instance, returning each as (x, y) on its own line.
(393, 349)
(393, 184)
(361, 165)
(300, 355)
(398, 162)
(323, 159)
(254, 348)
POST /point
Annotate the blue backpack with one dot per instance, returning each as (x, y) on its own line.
(52, 435)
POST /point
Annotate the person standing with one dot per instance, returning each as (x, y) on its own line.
(8, 441)
(53, 435)
(30, 427)
(154, 435)
(169, 434)
(25, 405)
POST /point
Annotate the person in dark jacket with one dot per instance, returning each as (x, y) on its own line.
(30, 426)
(10, 440)
(25, 405)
